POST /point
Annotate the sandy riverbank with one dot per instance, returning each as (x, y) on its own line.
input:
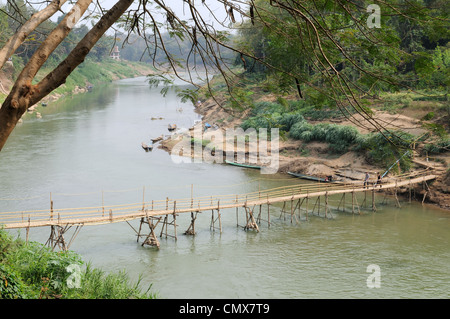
(315, 159)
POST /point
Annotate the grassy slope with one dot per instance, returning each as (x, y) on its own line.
(32, 271)
(90, 72)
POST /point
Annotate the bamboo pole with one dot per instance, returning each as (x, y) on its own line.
(353, 201)
(51, 207)
(175, 218)
(143, 198)
(374, 208)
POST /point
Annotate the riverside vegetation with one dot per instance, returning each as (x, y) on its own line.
(267, 98)
(32, 271)
(401, 81)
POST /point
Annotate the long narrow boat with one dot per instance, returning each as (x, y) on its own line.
(312, 178)
(242, 165)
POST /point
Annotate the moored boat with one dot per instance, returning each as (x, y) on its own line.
(146, 147)
(242, 165)
(312, 178)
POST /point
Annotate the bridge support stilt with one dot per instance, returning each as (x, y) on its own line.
(354, 199)
(56, 237)
(166, 223)
(250, 219)
(260, 219)
(214, 220)
(150, 238)
(191, 228)
(374, 208)
(395, 195)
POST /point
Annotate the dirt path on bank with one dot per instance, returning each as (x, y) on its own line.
(314, 158)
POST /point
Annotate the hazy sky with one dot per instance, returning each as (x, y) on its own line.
(178, 6)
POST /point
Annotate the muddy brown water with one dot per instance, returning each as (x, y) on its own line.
(87, 150)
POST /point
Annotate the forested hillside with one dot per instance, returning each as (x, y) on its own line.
(328, 64)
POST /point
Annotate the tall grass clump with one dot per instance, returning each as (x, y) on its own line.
(439, 147)
(340, 138)
(33, 271)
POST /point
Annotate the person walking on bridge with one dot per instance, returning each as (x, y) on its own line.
(366, 180)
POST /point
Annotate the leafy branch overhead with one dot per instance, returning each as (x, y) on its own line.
(324, 51)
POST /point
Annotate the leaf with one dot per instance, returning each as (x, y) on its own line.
(423, 65)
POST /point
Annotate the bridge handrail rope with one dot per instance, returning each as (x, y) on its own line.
(165, 206)
(149, 187)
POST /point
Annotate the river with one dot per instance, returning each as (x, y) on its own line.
(86, 150)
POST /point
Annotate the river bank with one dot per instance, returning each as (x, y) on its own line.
(82, 80)
(315, 159)
(90, 154)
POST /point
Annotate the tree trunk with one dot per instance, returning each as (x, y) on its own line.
(19, 37)
(23, 94)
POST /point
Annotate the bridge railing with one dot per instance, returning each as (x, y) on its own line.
(165, 206)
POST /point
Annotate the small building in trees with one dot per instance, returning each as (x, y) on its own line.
(115, 54)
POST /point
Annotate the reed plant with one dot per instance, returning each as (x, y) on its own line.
(33, 271)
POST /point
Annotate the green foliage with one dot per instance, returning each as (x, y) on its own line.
(410, 49)
(436, 128)
(202, 142)
(298, 128)
(439, 147)
(428, 116)
(31, 270)
(387, 147)
(340, 138)
(40, 267)
(11, 285)
(100, 285)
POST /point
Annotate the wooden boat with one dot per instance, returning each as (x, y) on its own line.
(172, 127)
(146, 147)
(159, 138)
(309, 177)
(243, 165)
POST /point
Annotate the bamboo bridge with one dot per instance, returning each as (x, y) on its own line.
(294, 198)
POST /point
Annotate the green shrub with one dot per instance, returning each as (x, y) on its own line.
(287, 120)
(320, 131)
(306, 136)
(340, 138)
(100, 285)
(428, 116)
(439, 147)
(387, 147)
(11, 285)
(33, 271)
(298, 128)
